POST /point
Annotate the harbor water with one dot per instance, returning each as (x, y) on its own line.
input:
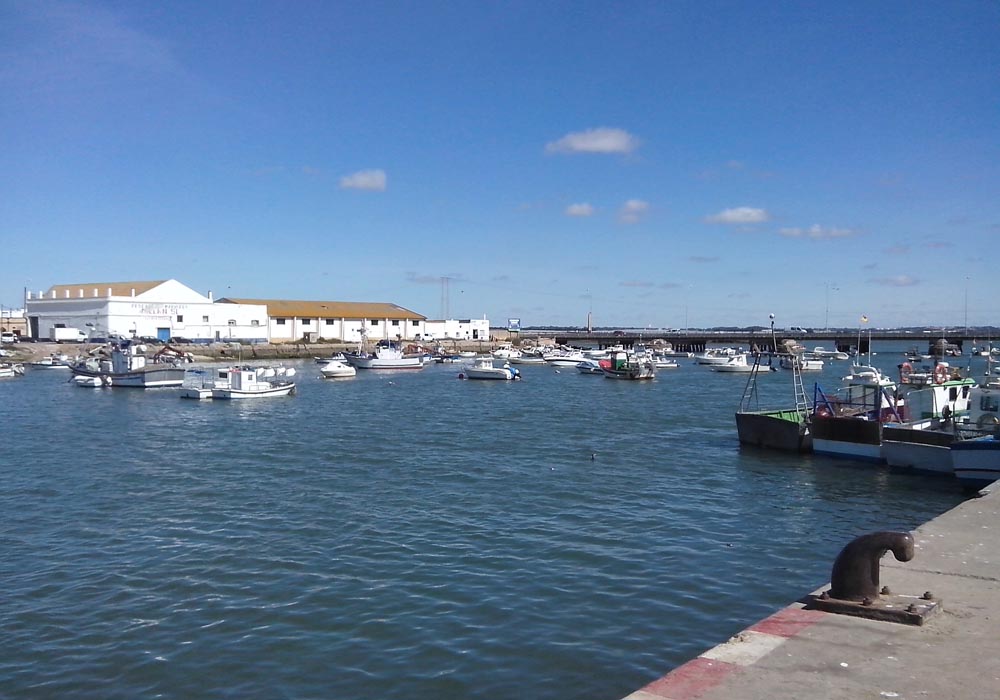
(408, 534)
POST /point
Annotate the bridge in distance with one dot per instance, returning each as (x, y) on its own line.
(695, 340)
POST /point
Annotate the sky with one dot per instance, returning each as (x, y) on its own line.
(666, 164)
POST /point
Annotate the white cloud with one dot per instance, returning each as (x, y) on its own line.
(602, 140)
(896, 281)
(739, 216)
(582, 209)
(372, 180)
(817, 232)
(632, 211)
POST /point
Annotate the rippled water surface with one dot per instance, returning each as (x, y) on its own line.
(406, 535)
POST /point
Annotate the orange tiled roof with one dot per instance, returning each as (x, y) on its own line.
(329, 309)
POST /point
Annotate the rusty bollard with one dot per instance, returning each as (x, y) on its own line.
(855, 572)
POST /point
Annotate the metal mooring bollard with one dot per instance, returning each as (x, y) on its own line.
(855, 572)
(855, 588)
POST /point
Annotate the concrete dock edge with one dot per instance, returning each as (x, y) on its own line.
(803, 653)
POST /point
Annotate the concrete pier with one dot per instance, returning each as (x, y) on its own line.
(804, 653)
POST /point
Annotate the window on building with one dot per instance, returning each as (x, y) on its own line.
(255, 323)
(280, 321)
(231, 322)
(307, 322)
(180, 318)
(204, 319)
(374, 321)
(415, 324)
(329, 321)
(395, 323)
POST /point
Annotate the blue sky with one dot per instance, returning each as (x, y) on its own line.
(663, 163)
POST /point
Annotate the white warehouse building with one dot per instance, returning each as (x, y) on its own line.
(160, 309)
(343, 321)
(167, 309)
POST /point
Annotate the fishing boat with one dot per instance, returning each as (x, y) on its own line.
(244, 383)
(126, 366)
(786, 429)
(483, 368)
(939, 408)
(385, 356)
(629, 364)
(201, 390)
(848, 422)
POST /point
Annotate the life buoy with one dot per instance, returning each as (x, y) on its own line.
(940, 374)
(905, 370)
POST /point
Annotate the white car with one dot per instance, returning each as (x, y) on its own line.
(8, 338)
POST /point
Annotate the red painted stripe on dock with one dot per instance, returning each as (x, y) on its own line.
(690, 680)
(788, 622)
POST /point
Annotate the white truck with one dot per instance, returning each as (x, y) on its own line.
(67, 335)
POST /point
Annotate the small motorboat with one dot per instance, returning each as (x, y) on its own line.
(93, 382)
(335, 369)
(590, 366)
(483, 368)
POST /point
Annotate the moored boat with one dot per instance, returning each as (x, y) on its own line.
(244, 383)
(127, 367)
(786, 429)
(629, 364)
(336, 369)
(483, 368)
(385, 356)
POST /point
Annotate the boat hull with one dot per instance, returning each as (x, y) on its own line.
(150, 377)
(918, 449)
(381, 363)
(777, 430)
(851, 438)
(271, 392)
(977, 462)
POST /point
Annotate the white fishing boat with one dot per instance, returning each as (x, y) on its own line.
(385, 356)
(244, 383)
(128, 367)
(483, 368)
(335, 369)
(629, 364)
(202, 388)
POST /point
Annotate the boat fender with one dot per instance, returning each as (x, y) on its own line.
(461, 375)
(940, 374)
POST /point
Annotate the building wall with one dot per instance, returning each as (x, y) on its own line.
(458, 329)
(347, 330)
(168, 310)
